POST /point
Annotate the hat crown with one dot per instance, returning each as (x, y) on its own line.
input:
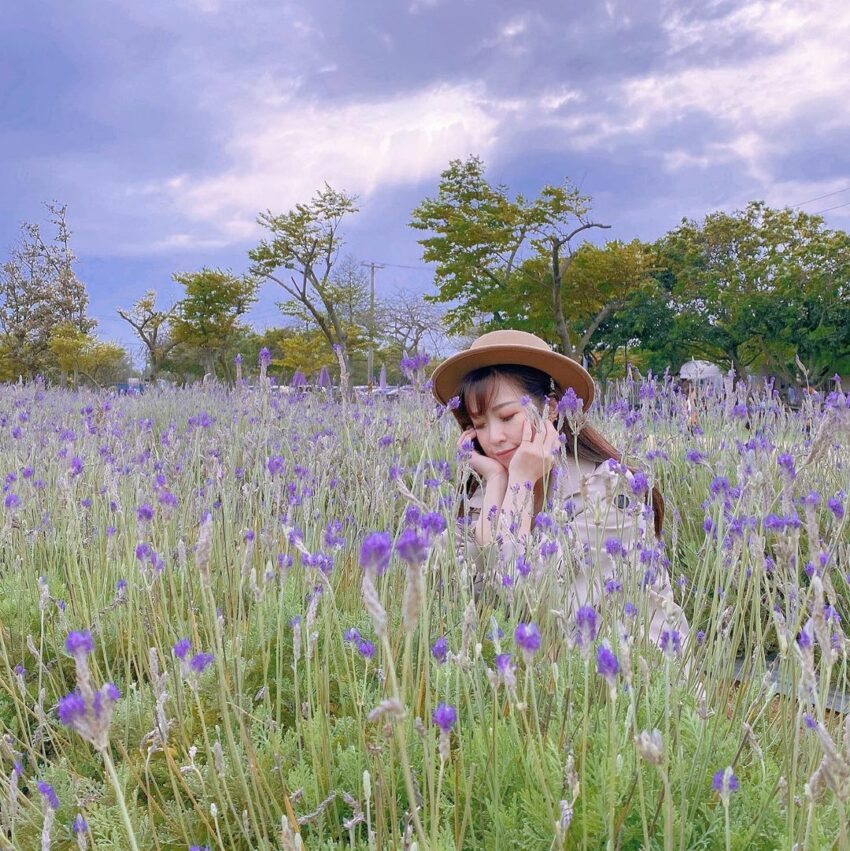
(510, 338)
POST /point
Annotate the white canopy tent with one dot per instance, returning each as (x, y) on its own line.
(700, 370)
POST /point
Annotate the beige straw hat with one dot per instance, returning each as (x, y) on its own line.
(511, 347)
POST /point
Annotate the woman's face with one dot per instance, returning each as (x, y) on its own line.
(499, 427)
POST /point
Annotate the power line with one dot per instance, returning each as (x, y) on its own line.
(828, 209)
(820, 197)
(402, 266)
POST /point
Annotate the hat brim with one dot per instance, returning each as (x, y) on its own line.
(565, 372)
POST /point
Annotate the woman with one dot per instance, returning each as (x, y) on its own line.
(508, 391)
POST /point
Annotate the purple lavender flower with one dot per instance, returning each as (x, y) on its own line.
(351, 634)
(144, 513)
(586, 626)
(503, 662)
(607, 665)
(527, 636)
(810, 722)
(694, 456)
(836, 506)
(411, 547)
(366, 648)
(79, 825)
(79, 643)
(49, 795)
(786, 462)
(181, 648)
(433, 523)
(569, 402)
(265, 357)
(12, 501)
(639, 483)
(200, 662)
(440, 650)
(70, 708)
(725, 782)
(670, 642)
(375, 552)
(76, 466)
(444, 717)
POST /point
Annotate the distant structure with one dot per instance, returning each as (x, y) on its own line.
(700, 370)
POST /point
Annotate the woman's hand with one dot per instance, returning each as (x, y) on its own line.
(535, 456)
(487, 468)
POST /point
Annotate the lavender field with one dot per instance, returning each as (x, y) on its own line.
(231, 618)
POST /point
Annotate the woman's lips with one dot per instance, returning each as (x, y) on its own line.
(505, 453)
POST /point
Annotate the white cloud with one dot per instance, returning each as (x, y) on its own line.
(794, 65)
(283, 153)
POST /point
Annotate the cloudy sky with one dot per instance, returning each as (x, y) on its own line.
(167, 125)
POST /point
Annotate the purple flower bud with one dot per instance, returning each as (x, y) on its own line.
(366, 648)
(433, 524)
(670, 642)
(144, 513)
(440, 650)
(586, 626)
(444, 717)
(49, 795)
(725, 782)
(412, 547)
(200, 662)
(265, 357)
(352, 634)
(569, 402)
(527, 636)
(79, 825)
(71, 708)
(786, 462)
(79, 643)
(375, 552)
(607, 664)
(181, 648)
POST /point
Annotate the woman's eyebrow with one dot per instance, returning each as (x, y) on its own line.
(502, 404)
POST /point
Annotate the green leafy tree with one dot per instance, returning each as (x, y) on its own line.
(75, 353)
(300, 256)
(501, 257)
(760, 287)
(207, 317)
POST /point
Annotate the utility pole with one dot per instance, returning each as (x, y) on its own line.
(370, 357)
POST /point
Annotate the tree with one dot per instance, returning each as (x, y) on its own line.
(759, 287)
(207, 318)
(410, 324)
(75, 353)
(38, 290)
(153, 328)
(300, 257)
(489, 248)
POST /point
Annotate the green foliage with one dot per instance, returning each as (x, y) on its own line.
(761, 286)
(207, 317)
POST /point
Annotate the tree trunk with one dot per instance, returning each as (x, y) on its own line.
(557, 303)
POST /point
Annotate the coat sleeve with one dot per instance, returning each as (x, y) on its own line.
(608, 521)
(482, 560)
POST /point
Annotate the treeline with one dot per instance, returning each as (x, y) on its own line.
(761, 290)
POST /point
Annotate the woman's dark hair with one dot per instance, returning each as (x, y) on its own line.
(476, 392)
